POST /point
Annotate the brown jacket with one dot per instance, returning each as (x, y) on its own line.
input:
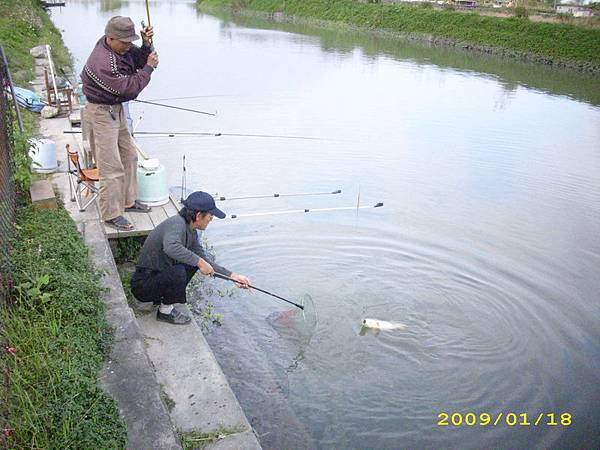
(109, 78)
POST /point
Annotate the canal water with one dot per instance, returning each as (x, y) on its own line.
(487, 248)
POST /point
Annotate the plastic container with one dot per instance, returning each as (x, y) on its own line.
(81, 99)
(43, 155)
(152, 183)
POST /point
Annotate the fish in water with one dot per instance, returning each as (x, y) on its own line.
(382, 325)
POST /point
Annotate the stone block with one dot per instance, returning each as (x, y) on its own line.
(42, 194)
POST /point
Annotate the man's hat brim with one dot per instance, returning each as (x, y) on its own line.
(135, 37)
(217, 213)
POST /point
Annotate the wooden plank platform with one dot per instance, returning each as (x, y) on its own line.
(75, 118)
(51, 3)
(144, 223)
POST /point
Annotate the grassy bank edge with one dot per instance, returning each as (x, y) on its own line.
(558, 45)
(57, 328)
(53, 334)
(23, 25)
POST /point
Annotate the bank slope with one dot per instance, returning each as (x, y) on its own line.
(555, 44)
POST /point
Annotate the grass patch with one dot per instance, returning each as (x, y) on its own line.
(25, 24)
(127, 249)
(168, 401)
(560, 42)
(57, 329)
(197, 440)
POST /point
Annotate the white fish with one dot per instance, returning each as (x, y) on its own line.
(382, 324)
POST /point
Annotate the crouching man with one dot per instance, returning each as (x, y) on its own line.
(172, 254)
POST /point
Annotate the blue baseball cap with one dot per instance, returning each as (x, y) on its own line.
(204, 202)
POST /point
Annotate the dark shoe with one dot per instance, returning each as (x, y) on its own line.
(175, 317)
(138, 207)
(120, 223)
(146, 307)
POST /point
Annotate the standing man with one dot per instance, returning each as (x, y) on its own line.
(116, 72)
(172, 254)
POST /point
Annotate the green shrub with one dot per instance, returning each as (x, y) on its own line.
(521, 12)
(21, 161)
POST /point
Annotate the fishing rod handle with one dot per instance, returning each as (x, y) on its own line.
(225, 277)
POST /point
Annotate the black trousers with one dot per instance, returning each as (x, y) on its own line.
(164, 286)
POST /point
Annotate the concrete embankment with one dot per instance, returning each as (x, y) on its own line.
(164, 378)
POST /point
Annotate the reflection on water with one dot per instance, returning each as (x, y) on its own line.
(112, 5)
(487, 248)
(509, 74)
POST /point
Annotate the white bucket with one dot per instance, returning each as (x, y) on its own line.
(152, 183)
(43, 155)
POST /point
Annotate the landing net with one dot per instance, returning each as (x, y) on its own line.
(296, 323)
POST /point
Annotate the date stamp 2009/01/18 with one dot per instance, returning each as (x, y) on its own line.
(511, 419)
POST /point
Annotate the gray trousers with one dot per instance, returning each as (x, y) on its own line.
(116, 157)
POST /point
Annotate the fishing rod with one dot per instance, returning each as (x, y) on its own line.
(148, 12)
(150, 41)
(64, 74)
(184, 191)
(149, 23)
(206, 133)
(291, 211)
(173, 107)
(224, 277)
(276, 195)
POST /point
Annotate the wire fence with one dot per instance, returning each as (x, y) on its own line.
(7, 188)
(7, 227)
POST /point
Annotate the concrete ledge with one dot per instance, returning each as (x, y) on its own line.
(153, 364)
(200, 397)
(42, 194)
(235, 442)
(128, 376)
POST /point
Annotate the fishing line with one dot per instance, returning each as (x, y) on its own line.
(190, 97)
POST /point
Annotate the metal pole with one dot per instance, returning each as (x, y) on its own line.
(12, 90)
(51, 65)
